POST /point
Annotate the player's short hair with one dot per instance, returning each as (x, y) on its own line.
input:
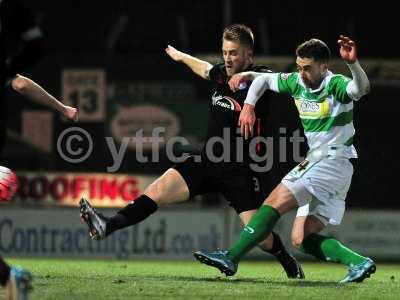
(239, 33)
(314, 48)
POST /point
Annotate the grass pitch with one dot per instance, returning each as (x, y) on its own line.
(100, 279)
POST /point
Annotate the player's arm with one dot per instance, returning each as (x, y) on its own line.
(261, 83)
(360, 85)
(32, 90)
(198, 66)
(237, 80)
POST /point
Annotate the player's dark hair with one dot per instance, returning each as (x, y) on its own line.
(239, 33)
(314, 48)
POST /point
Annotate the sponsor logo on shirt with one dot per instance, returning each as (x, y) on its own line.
(225, 102)
(312, 108)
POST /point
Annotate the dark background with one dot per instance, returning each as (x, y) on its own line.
(279, 26)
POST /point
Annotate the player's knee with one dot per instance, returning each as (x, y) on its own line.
(274, 200)
(154, 191)
(19, 84)
(281, 199)
(167, 190)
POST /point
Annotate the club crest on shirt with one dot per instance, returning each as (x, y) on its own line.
(285, 76)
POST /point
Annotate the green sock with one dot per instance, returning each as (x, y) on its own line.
(259, 227)
(330, 249)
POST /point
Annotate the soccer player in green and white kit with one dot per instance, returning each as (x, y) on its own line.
(317, 186)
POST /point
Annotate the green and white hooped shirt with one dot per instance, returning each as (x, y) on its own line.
(326, 113)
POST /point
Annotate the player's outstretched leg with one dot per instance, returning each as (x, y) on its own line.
(169, 188)
(101, 226)
(94, 220)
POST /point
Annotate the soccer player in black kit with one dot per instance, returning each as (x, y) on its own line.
(220, 168)
(18, 28)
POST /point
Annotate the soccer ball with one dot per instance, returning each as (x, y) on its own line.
(8, 184)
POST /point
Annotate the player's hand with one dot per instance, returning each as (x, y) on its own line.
(238, 80)
(247, 119)
(348, 50)
(71, 113)
(176, 55)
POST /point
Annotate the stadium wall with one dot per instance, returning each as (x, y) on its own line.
(175, 234)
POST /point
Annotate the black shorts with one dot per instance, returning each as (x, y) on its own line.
(235, 182)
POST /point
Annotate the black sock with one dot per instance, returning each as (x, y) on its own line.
(133, 213)
(277, 246)
(4, 272)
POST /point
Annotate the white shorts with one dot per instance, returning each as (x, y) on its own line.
(320, 188)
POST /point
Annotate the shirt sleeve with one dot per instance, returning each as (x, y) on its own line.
(360, 85)
(259, 85)
(217, 75)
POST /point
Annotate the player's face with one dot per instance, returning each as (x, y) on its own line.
(311, 72)
(237, 58)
